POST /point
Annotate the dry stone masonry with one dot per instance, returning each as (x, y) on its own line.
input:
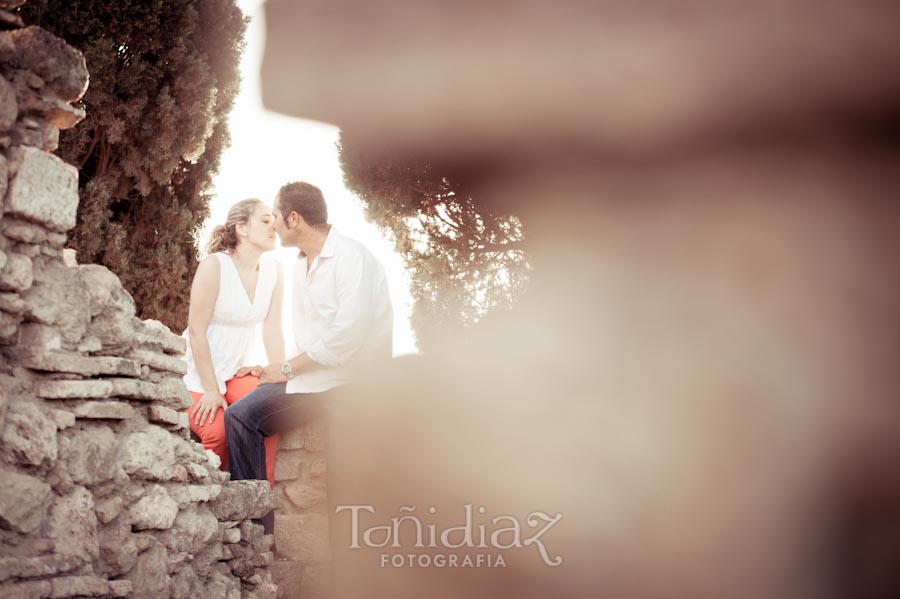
(102, 491)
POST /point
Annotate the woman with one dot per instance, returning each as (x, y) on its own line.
(235, 290)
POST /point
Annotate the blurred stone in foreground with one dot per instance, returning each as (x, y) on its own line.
(702, 376)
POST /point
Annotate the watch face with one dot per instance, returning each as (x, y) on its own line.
(286, 368)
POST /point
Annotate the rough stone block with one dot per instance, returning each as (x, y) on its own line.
(72, 525)
(231, 535)
(288, 575)
(83, 365)
(292, 439)
(33, 589)
(23, 501)
(150, 574)
(106, 291)
(36, 338)
(11, 302)
(107, 509)
(153, 334)
(29, 435)
(44, 188)
(163, 415)
(73, 389)
(92, 455)
(305, 495)
(119, 548)
(16, 274)
(303, 536)
(103, 410)
(315, 438)
(62, 419)
(188, 494)
(159, 361)
(59, 65)
(154, 510)
(59, 297)
(289, 465)
(9, 108)
(78, 586)
(194, 527)
(148, 454)
(33, 567)
(243, 499)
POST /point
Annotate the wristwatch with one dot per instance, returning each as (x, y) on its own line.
(286, 370)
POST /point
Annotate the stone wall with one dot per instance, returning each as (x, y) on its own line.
(301, 516)
(102, 491)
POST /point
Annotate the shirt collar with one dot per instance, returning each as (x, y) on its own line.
(327, 247)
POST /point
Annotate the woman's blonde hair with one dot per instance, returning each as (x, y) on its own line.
(224, 238)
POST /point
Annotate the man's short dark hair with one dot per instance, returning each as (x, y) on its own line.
(306, 200)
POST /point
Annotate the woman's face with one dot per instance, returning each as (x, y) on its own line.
(260, 229)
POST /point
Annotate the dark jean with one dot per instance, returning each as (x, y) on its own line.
(262, 413)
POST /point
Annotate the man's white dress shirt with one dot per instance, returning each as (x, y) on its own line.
(342, 316)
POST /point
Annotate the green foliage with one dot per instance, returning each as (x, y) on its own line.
(164, 74)
(464, 257)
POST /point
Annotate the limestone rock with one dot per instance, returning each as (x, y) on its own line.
(59, 297)
(39, 338)
(163, 415)
(194, 527)
(305, 495)
(11, 302)
(154, 510)
(84, 365)
(61, 66)
(9, 109)
(92, 457)
(111, 307)
(44, 188)
(32, 589)
(16, 274)
(185, 495)
(303, 535)
(29, 435)
(243, 499)
(118, 548)
(105, 410)
(62, 419)
(159, 361)
(72, 525)
(32, 567)
(155, 335)
(78, 586)
(150, 574)
(185, 584)
(148, 454)
(23, 501)
(108, 509)
(106, 291)
(73, 389)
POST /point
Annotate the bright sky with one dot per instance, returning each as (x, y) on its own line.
(268, 150)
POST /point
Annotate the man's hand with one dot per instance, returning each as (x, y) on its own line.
(206, 408)
(272, 374)
(245, 370)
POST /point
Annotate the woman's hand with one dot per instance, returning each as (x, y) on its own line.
(245, 370)
(206, 408)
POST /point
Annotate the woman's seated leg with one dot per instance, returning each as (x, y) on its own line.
(212, 434)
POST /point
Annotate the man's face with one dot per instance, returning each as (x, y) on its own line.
(280, 224)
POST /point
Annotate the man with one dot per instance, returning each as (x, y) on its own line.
(342, 319)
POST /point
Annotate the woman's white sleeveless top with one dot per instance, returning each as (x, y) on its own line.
(232, 332)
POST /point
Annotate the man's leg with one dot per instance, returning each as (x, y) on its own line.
(266, 411)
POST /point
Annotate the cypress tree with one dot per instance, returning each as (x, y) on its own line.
(164, 75)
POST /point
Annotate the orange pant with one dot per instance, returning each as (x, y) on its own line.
(212, 435)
